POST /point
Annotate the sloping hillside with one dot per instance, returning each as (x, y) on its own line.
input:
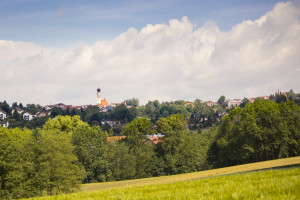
(192, 176)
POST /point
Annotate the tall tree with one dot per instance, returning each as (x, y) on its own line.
(56, 168)
(136, 136)
(16, 164)
(221, 100)
(90, 149)
(5, 107)
(175, 150)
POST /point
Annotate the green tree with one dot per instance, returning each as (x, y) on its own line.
(64, 123)
(121, 113)
(176, 148)
(132, 102)
(5, 107)
(56, 111)
(263, 130)
(14, 105)
(121, 162)
(221, 100)
(16, 164)
(21, 106)
(136, 136)
(244, 102)
(90, 149)
(16, 115)
(56, 169)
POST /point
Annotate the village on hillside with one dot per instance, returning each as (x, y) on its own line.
(106, 114)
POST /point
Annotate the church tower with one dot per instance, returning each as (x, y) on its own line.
(98, 96)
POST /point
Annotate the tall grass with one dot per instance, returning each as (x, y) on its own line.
(190, 176)
(269, 184)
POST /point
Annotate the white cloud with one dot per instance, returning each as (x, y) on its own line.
(163, 61)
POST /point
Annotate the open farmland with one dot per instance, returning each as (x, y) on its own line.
(281, 183)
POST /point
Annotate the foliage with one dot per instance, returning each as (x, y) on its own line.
(56, 171)
(64, 123)
(261, 131)
(221, 100)
(36, 163)
(179, 150)
(132, 102)
(121, 162)
(16, 164)
(89, 145)
(5, 107)
(136, 136)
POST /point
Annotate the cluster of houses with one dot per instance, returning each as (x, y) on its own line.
(234, 102)
(2, 117)
(25, 115)
(103, 106)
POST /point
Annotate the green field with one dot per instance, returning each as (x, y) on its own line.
(280, 183)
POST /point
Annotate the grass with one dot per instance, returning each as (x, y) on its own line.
(191, 176)
(269, 184)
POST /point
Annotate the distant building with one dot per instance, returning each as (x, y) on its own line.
(264, 97)
(28, 116)
(103, 104)
(41, 114)
(111, 123)
(189, 103)
(4, 124)
(234, 103)
(49, 107)
(281, 93)
(211, 103)
(63, 106)
(2, 114)
(115, 104)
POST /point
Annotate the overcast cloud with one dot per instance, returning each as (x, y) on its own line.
(164, 61)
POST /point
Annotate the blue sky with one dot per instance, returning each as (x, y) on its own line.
(62, 23)
(60, 51)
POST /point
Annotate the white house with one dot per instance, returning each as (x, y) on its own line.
(4, 124)
(2, 114)
(234, 103)
(28, 116)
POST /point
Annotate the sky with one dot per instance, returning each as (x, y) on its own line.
(60, 51)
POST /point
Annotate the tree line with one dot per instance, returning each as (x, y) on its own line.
(263, 130)
(198, 114)
(68, 152)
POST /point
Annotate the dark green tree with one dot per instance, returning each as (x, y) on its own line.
(263, 130)
(56, 169)
(132, 102)
(89, 145)
(221, 100)
(16, 164)
(121, 113)
(5, 107)
(136, 137)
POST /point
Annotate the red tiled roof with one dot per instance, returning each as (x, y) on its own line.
(115, 138)
(104, 103)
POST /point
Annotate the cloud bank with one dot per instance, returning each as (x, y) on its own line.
(164, 61)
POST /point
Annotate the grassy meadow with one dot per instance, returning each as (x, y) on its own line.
(278, 183)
